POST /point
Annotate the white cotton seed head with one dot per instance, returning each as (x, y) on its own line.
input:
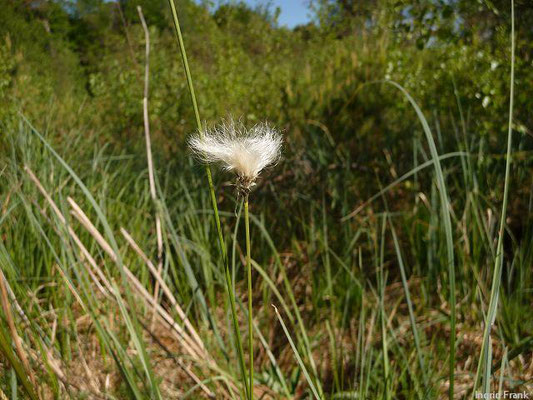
(244, 151)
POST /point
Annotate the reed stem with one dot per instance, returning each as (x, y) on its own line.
(221, 241)
(149, 158)
(250, 300)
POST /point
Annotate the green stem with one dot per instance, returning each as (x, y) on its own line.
(445, 204)
(250, 319)
(240, 349)
(198, 124)
(221, 242)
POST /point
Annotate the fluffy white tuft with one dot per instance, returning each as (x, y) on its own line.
(244, 151)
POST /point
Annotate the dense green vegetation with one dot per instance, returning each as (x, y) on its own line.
(349, 231)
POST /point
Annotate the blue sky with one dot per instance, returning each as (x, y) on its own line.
(293, 12)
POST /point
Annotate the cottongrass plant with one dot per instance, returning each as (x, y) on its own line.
(246, 152)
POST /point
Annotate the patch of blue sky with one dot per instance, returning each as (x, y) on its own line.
(292, 12)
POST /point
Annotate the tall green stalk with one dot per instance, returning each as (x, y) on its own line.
(250, 319)
(222, 244)
(445, 206)
(486, 350)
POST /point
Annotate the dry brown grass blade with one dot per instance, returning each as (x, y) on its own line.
(160, 313)
(51, 361)
(189, 344)
(80, 215)
(13, 299)
(151, 174)
(165, 317)
(85, 253)
(191, 347)
(194, 348)
(157, 275)
(13, 330)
